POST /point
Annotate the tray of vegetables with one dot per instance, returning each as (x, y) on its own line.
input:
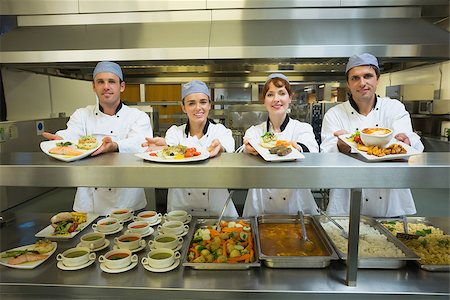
(228, 245)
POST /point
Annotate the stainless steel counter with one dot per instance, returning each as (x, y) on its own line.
(50, 282)
(317, 170)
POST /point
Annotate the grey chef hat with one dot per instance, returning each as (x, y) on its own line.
(195, 86)
(110, 67)
(277, 75)
(361, 60)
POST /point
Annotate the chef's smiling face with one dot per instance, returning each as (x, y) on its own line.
(362, 82)
(277, 99)
(197, 107)
(108, 87)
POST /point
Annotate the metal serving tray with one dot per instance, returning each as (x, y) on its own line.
(375, 262)
(199, 223)
(417, 220)
(296, 261)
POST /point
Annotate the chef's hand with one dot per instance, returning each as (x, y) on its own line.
(249, 148)
(296, 145)
(108, 145)
(154, 144)
(215, 148)
(342, 146)
(403, 138)
(50, 136)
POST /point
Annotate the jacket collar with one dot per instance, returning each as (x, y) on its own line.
(283, 125)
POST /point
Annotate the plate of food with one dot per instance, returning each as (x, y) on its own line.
(29, 256)
(68, 151)
(66, 225)
(391, 150)
(272, 149)
(175, 154)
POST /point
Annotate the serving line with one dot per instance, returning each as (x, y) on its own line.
(237, 170)
(50, 282)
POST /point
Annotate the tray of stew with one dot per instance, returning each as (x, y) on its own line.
(280, 243)
(226, 246)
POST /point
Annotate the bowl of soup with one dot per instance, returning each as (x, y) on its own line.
(129, 241)
(76, 256)
(376, 136)
(118, 259)
(160, 258)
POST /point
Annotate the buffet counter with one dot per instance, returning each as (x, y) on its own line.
(331, 170)
(49, 282)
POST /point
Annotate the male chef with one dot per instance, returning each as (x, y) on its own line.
(118, 127)
(365, 109)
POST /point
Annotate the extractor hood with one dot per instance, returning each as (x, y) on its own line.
(310, 42)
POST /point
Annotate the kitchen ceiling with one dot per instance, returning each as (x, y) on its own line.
(224, 41)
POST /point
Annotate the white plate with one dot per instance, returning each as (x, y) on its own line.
(176, 248)
(27, 265)
(106, 244)
(114, 271)
(134, 250)
(264, 152)
(111, 232)
(187, 221)
(155, 222)
(185, 231)
(204, 154)
(175, 264)
(409, 150)
(66, 268)
(48, 232)
(47, 145)
(146, 234)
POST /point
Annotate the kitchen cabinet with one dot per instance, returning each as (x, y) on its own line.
(317, 170)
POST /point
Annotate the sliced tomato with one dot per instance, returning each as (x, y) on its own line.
(73, 227)
(153, 154)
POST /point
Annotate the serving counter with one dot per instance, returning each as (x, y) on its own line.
(332, 170)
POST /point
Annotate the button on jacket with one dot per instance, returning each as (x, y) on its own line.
(282, 201)
(128, 128)
(387, 113)
(200, 202)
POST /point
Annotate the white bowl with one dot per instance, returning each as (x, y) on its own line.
(376, 136)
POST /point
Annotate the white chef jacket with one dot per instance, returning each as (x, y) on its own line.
(128, 128)
(200, 202)
(387, 113)
(282, 201)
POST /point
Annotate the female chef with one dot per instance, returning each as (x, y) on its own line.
(277, 95)
(202, 133)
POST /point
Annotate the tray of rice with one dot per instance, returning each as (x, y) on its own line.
(280, 243)
(378, 249)
(432, 244)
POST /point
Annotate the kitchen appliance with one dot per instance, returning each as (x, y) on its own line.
(426, 107)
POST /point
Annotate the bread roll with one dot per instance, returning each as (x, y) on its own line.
(63, 216)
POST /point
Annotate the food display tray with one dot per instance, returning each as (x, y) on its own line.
(426, 221)
(321, 261)
(375, 262)
(203, 223)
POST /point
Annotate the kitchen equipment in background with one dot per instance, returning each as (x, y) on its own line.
(426, 107)
(410, 92)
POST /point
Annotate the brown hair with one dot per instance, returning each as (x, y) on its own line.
(279, 83)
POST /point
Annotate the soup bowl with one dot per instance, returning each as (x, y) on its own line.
(160, 258)
(150, 216)
(177, 215)
(129, 241)
(121, 214)
(93, 240)
(167, 240)
(107, 225)
(173, 227)
(77, 256)
(376, 136)
(118, 259)
(140, 227)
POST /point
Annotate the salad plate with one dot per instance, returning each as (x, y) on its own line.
(155, 156)
(26, 265)
(47, 145)
(267, 156)
(49, 231)
(410, 151)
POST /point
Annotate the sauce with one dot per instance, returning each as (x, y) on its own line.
(282, 239)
